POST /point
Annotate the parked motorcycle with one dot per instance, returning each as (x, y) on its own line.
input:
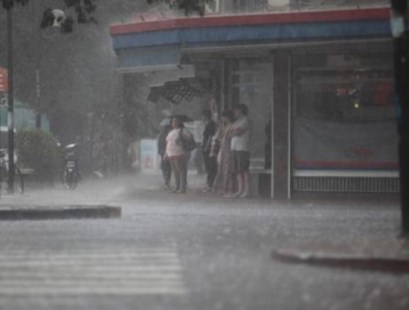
(71, 174)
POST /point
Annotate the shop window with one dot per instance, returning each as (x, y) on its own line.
(357, 95)
(252, 81)
(343, 113)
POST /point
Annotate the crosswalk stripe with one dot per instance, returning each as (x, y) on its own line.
(102, 261)
(138, 272)
(89, 275)
(76, 291)
(92, 282)
(51, 264)
(125, 256)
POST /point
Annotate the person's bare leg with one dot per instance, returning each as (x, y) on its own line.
(176, 174)
(240, 185)
(246, 185)
(183, 174)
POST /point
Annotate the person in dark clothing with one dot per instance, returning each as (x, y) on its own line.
(209, 161)
(165, 163)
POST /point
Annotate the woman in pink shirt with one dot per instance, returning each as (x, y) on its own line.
(177, 156)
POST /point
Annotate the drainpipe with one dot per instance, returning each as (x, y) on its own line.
(399, 26)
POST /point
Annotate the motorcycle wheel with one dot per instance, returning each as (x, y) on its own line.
(70, 180)
(19, 182)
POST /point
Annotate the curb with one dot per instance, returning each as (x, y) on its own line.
(61, 213)
(361, 262)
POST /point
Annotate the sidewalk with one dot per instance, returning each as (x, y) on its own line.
(93, 198)
(89, 200)
(387, 255)
(95, 191)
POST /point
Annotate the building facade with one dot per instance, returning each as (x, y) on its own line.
(316, 76)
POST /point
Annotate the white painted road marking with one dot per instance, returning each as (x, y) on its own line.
(148, 271)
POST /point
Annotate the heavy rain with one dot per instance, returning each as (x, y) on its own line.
(204, 154)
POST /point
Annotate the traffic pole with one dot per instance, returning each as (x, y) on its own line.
(399, 27)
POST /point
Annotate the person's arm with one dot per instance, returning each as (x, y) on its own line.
(244, 126)
(161, 144)
(215, 142)
(165, 154)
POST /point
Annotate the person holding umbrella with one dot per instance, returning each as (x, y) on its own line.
(179, 143)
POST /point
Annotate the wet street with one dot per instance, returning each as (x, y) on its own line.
(190, 252)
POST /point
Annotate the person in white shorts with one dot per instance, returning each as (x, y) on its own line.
(240, 148)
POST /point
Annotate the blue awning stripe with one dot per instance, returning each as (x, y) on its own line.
(278, 32)
(149, 56)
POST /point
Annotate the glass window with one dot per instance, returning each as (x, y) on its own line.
(343, 113)
(252, 83)
(356, 95)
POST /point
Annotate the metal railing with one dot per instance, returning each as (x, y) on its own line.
(237, 7)
(346, 184)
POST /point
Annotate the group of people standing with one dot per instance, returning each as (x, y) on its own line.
(225, 149)
(231, 150)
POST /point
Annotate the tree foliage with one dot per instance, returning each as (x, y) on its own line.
(188, 6)
(76, 74)
(84, 11)
(39, 151)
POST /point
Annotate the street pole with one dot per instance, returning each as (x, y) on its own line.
(399, 26)
(38, 100)
(10, 115)
(37, 37)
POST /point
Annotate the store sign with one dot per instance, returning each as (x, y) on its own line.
(4, 87)
(149, 155)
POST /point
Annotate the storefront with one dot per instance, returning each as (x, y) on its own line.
(318, 86)
(343, 120)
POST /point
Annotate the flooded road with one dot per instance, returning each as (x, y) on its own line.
(191, 252)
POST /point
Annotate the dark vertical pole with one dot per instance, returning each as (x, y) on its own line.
(399, 25)
(37, 37)
(38, 94)
(10, 116)
(280, 124)
(1, 170)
